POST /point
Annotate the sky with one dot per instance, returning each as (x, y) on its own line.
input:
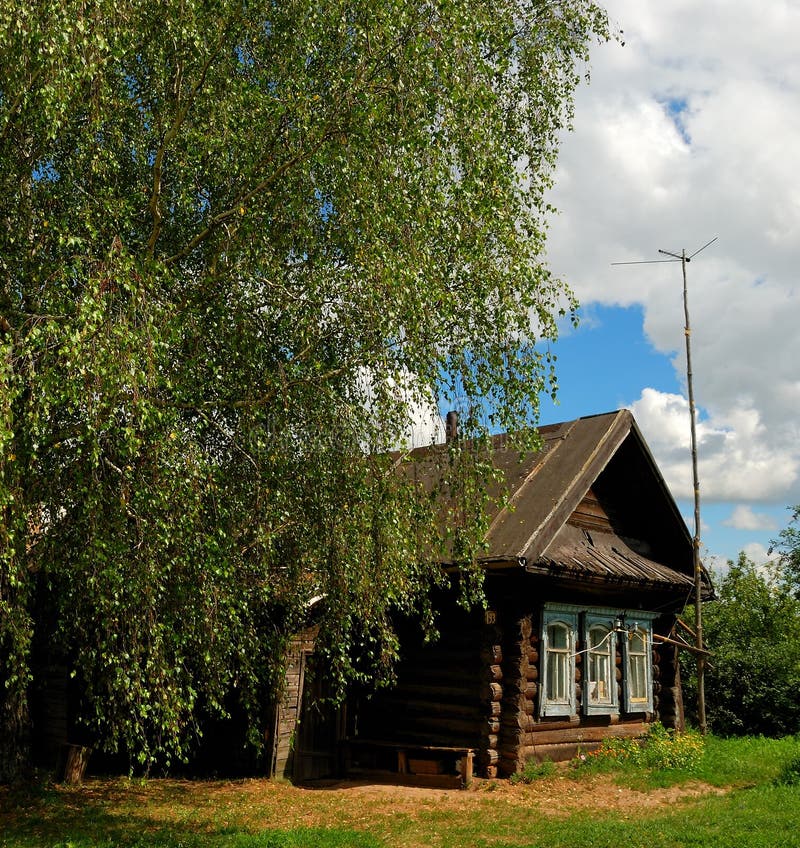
(691, 131)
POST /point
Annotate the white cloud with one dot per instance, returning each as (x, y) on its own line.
(718, 566)
(743, 518)
(736, 462)
(415, 419)
(681, 137)
(426, 426)
(758, 554)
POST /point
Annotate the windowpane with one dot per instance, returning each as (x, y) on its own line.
(600, 665)
(558, 637)
(637, 667)
(558, 663)
(556, 677)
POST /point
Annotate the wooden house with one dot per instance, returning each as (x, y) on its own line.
(588, 566)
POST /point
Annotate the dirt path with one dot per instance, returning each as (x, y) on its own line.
(260, 803)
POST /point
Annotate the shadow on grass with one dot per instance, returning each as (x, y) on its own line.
(89, 817)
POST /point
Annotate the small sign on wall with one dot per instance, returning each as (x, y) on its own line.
(490, 617)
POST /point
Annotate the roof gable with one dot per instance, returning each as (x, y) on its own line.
(591, 504)
(545, 488)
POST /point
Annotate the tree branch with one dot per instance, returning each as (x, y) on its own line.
(155, 196)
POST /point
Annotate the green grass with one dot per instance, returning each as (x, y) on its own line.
(756, 810)
(534, 771)
(746, 761)
(738, 763)
(764, 819)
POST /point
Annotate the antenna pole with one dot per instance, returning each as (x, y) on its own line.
(698, 571)
(697, 566)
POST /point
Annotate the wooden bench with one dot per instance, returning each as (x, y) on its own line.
(417, 761)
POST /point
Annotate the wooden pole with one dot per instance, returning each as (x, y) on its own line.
(698, 569)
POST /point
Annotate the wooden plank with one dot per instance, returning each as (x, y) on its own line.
(409, 746)
(584, 734)
(467, 768)
(432, 781)
(687, 647)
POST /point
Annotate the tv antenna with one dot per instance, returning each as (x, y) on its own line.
(698, 568)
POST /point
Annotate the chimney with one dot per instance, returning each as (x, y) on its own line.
(451, 426)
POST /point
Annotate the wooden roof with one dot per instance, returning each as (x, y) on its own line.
(590, 506)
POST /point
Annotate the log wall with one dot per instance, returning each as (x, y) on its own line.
(521, 658)
(447, 694)
(669, 691)
(478, 687)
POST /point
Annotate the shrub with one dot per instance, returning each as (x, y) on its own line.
(753, 631)
(790, 773)
(660, 749)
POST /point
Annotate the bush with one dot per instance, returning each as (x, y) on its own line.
(753, 632)
(790, 773)
(660, 749)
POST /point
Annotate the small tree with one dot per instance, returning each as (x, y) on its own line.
(753, 630)
(788, 545)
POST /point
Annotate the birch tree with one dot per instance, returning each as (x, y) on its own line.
(239, 243)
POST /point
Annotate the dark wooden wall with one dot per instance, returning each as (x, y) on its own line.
(448, 692)
(478, 687)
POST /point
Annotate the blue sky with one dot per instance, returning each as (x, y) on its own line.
(605, 363)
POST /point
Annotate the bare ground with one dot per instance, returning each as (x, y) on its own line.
(280, 804)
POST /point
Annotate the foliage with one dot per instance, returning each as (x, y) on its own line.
(534, 771)
(753, 632)
(240, 243)
(662, 748)
(788, 546)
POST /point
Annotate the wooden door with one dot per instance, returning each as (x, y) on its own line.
(319, 728)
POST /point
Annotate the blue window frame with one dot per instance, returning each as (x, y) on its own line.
(558, 662)
(637, 651)
(601, 634)
(600, 694)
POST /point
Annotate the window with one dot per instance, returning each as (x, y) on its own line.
(638, 669)
(600, 681)
(602, 631)
(558, 667)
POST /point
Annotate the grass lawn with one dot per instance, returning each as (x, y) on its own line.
(730, 800)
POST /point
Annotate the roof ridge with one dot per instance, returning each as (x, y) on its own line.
(536, 535)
